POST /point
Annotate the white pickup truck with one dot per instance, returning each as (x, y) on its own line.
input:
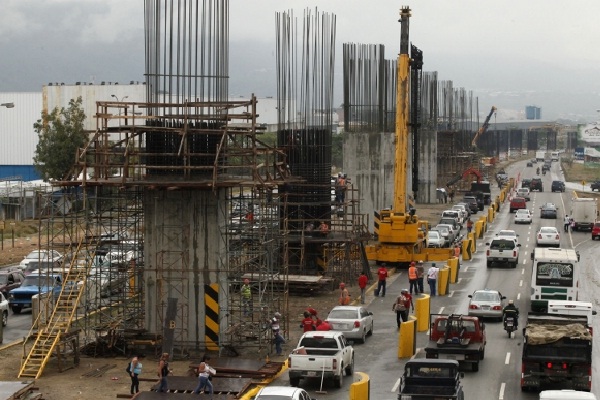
(321, 353)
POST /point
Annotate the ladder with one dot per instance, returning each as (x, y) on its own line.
(48, 336)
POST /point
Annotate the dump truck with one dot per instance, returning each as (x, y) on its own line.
(431, 379)
(557, 352)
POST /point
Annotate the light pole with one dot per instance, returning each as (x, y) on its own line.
(7, 105)
(122, 98)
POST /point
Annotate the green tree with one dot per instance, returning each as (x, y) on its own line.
(60, 134)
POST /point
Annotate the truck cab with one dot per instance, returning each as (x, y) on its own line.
(439, 379)
(35, 283)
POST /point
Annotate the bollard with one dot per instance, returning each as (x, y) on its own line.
(491, 214)
(484, 226)
(466, 249)
(443, 281)
(422, 310)
(407, 343)
(453, 264)
(473, 243)
(478, 229)
(361, 388)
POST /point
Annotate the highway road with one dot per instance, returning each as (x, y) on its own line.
(499, 373)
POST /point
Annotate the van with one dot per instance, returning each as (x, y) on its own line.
(566, 394)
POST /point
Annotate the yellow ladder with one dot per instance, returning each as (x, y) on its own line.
(62, 315)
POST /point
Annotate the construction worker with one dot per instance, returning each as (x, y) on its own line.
(324, 228)
(307, 323)
(420, 276)
(382, 275)
(412, 278)
(363, 280)
(246, 292)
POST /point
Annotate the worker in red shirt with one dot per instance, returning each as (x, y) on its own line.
(362, 284)
(307, 323)
(325, 326)
(382, 275)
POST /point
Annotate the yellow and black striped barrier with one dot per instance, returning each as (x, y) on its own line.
(473, 242)
(453, 264)
(466, 249)
(211, 316)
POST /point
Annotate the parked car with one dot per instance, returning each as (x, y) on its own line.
(558, 186)
(33, 284)
(547, 236)
(354, 321)
(35, 265)
(595, 186)
(536, 184)
(435, 239)
(596, 230)
(282, 393)
(525, 182)
(524, 193)
(517, 203)
(451, 221)
(444, 233)
(486, 303)
(548, 210)
(523, 216)
(472, 202)
(463, 208)
(452, 234)
(4, 309)
(41, 255)
(10, 280)
(453, 214)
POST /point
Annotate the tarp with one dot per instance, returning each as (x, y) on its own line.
(545, 334)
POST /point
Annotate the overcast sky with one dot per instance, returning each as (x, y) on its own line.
(509, 53)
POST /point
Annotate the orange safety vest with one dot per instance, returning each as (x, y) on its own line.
(412, 273)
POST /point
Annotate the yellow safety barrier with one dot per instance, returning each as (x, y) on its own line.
(491, 214)
(422, 310)
(443, 281)
(502, 195)
(473, 243)
(478, 229)
(484, 228)
(511, 182)
(453, 264)
(361, 388)
(466, 249)
(407, 338)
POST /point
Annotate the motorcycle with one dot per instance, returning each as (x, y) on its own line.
(510, 324)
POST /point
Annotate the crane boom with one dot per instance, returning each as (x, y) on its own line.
(484, 127)
(402, 99)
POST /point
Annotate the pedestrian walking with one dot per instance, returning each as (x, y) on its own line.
(134, 369)
(420, 275)
(572, 224)
(344, 295)
(432, 276)
(412, 278)
(278, 339)
(469, 225)
(246, 292)
(567, 223)
(163, 371)
(402, 305)
(363, 280)
(382, 276)
(204, 376)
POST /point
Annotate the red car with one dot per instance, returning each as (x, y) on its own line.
(517, 203)
(596, 230)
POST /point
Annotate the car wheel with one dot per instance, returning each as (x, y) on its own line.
(370, 333)
(338, 381)
(350, 368)
(475, 366)
(4, 318)
(489, 264)
(294, 382)
(363, 338)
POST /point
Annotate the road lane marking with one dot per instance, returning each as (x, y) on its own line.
(441, 310)
(518, 296)
(458, 281)
(521, 283)
(507, 359)
(466, 269)
(396, 385)
(523, 271)
(502, 386)
(451, 293)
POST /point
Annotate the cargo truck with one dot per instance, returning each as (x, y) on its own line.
(431, 379)
(584, 212)
(540, 155)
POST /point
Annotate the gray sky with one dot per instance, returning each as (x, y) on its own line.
(510, 53)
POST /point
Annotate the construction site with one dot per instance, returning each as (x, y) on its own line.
(183, 200)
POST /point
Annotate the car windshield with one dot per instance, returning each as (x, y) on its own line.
(274, 397)
(38, 280)
(343, 314)
(522, 213)
(34, 255)
(507, 233)
(486, 296)
(433, 235)
(548, 230)
(443, 229)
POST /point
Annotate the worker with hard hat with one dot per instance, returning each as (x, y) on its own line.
(246, 293)
(412, 278)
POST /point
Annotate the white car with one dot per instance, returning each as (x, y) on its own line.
(435, 239)
(355, 322)
(40, 255)
(548, 236)
(282, 393)
(524, 193)
(452, 234)
(462, 209)
(453, 214)
(523, 216)
(508, 234)
(444, 232)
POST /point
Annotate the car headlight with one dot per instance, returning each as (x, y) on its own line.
(11, 296)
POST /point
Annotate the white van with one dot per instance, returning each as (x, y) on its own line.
(567, 307)
(566, 394)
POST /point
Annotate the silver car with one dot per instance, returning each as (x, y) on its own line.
(486, 303)
(354, 321)
(435, 239)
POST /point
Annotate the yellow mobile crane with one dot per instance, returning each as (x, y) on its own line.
(400, 233)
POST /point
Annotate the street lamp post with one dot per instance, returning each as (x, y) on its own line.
(7, 105)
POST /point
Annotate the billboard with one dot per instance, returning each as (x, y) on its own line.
(589, 133)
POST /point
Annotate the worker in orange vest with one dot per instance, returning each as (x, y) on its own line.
(412, 278)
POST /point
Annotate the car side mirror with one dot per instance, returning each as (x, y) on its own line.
(470, 296)
(370, 313)
(519, 245)
(503, 297)
(462, 375)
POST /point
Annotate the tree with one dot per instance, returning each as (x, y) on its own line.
(60, 134)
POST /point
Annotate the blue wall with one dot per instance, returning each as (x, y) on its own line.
(25, 172)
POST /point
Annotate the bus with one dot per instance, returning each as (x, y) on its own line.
(554, 276)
